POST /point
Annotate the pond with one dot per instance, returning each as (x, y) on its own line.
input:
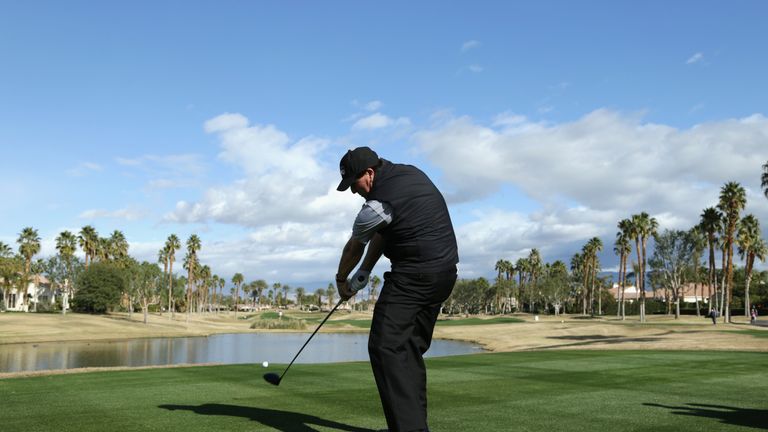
(221, 348)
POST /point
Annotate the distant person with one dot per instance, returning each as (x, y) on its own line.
(713, 314)
(753, 315)
(405, 218)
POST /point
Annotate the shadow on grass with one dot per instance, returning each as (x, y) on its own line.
(755, 418)
(285, 421)
(585, 340)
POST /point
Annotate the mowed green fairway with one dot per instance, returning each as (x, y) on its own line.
(526, 391)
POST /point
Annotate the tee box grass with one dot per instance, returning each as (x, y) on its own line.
(523, 391)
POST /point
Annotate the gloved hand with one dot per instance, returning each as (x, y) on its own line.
(344, 291)
(359, 280)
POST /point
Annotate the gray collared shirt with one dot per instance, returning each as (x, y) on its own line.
(374, 216)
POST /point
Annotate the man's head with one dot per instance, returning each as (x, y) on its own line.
(357, 170)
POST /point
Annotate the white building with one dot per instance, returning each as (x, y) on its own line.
(689, 293)
(38, 291)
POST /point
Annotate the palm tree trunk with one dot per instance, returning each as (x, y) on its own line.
(696, 297)
(623, 288)
(750, 263)
(592, 289)
(729, 286)
(170, 291)
(639, 279)
(712, 274)
(621, 296)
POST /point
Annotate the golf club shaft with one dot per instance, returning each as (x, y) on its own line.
(310, 338)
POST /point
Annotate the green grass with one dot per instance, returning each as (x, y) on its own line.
(272, 320)
(652, 391)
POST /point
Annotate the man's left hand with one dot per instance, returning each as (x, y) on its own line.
(344, 291)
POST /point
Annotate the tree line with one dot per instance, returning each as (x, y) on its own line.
(677, 259)
(108, 278)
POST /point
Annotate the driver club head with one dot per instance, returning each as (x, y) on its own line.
(272, 378)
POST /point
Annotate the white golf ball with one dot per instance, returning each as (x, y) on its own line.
(265, 364)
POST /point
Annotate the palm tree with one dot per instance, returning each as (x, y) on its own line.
(521, 265)
(534, 269)
(330, 292)
(751, 246)
(193, 245)
(237, 279)
(162, 257)
(711, 224)
(500, 267)
(118, 246)
(319, 293)
(5, 250)
(286, 288)
(87, 239)
(66, 244)
(622, 248)
(222, 284)
(642, 226)
(374, 290)
(101, 251)
(577, 271)
(733, 199)
(260, 286)
(247, 289)
(594, 245)
(205, 278)
(764, 179)
(29, 245)
(698, 242)
(299, 295)
(172, 244)
(215, 286)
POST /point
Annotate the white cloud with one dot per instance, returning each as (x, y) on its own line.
(476, 68)
(509, 119)
(283, 179)
(126, 214)
(608, 165)
(166, 171)
(226, 122)
(373, 121)
(695, 58)
(468, 45)
(582, 177)
(84, 168)
(379, 121)
(373, 105)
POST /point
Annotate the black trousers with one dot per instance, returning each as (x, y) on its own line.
(401, 332)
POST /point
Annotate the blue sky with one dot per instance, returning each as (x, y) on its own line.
(543, 123)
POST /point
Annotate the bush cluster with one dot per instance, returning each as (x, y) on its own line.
(279, 324)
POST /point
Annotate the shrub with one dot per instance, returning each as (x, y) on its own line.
(279, 324)
(99, 289)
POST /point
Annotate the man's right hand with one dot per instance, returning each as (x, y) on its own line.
(359, 280)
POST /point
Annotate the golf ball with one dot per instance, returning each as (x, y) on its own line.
(265, 364)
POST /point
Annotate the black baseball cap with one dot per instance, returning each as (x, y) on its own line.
(354, 163)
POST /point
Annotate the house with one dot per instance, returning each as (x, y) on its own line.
(689, 293)
(631, 293)
(39, 291)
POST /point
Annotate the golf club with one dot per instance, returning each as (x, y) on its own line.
(274, 378)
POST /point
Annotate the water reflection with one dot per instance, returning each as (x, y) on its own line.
(223, 348)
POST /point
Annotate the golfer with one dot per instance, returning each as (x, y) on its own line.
(405, 218)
